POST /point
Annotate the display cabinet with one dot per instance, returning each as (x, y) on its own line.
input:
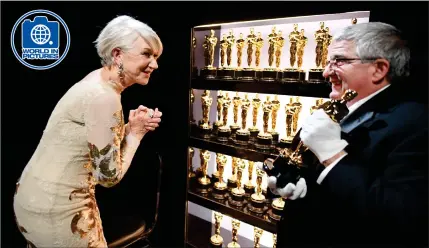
(252, 85)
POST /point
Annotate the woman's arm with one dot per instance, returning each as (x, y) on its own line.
(111, 149)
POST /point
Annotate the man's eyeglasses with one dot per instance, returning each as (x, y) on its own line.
(342, 61)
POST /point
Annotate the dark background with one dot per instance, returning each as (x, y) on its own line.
(29, 96)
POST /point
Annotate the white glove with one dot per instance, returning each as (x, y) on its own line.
(290, 191)
(322, 135)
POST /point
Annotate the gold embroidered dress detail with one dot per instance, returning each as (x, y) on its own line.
(83, 144)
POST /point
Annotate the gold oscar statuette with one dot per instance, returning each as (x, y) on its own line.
(218, 122)
(280, 42)
(293, 39)
(237, 194)
(220, 186)
(264, 138)
(240, 44)
(290, 112)
(315, 74)
(191, 109)
(191, 173)
(232, 180)
(297, 110)
(292, 73)
(231, 41)
(204, 158)
(269, 73)
(206, 47)
(236, 103)
(250, 40)
(194, 45)
(216, 240)
(215, 175)
(242, 135)
(316, 105)
(275, 105)
(258, 46)
(248, 186)
(235, 227)
(206, 102)
(257, 238)
(248, 73)
(326, 42)
(224, 131)
(209, 45)
(256, 103)
(274, 240)
(272, 38)
(302, 42)
(257, 199)
(213, 41)
(276, 208)
(320, 39)
(194, 65)
(223, 48)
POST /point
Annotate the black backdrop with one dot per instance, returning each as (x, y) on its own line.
(28, 96)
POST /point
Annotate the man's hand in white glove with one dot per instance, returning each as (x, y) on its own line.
(290, 191)
(322, 136)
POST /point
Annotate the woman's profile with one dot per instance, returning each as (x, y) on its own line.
(86, 142)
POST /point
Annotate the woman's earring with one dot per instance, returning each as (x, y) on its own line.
(121, 71)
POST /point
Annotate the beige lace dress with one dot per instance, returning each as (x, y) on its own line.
(83, 144)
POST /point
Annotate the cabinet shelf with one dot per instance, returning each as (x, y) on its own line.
(248, 152)
(224, 207)
(321, 90)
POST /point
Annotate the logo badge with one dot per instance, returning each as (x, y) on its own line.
(40, 39)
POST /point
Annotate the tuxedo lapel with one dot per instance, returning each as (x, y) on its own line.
(378, 104)
(348, 126)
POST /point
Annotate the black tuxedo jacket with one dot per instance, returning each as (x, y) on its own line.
(377, 196)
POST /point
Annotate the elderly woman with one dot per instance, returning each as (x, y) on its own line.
(86, 142)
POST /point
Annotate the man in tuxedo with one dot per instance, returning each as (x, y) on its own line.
(369, 187)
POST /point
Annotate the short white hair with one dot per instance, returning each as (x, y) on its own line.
(122, 32)
(379, 40)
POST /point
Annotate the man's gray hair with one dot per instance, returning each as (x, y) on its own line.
(379, 40)
(121, 32)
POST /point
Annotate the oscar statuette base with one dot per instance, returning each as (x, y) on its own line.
(316, 76)
(285, 142)
(247, 74)
(203, 185)
(216, 127)
(216, 241)
(232, 183)
(219, 190)
(249, 189)
(275, 212)
(254, 131)
(215, 177)
(275, 136)
(269, 75)
(225, 74)
(257, 203)
(223, 133)
(233, 245)
(237, 197)
(234, 128)
(242, 137)
(292, 75)
(205, 130)
(208, 73)
(264, 141)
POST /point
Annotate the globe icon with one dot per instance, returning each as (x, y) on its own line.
(40, 34)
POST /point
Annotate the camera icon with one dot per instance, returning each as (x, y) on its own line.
(40, 33)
